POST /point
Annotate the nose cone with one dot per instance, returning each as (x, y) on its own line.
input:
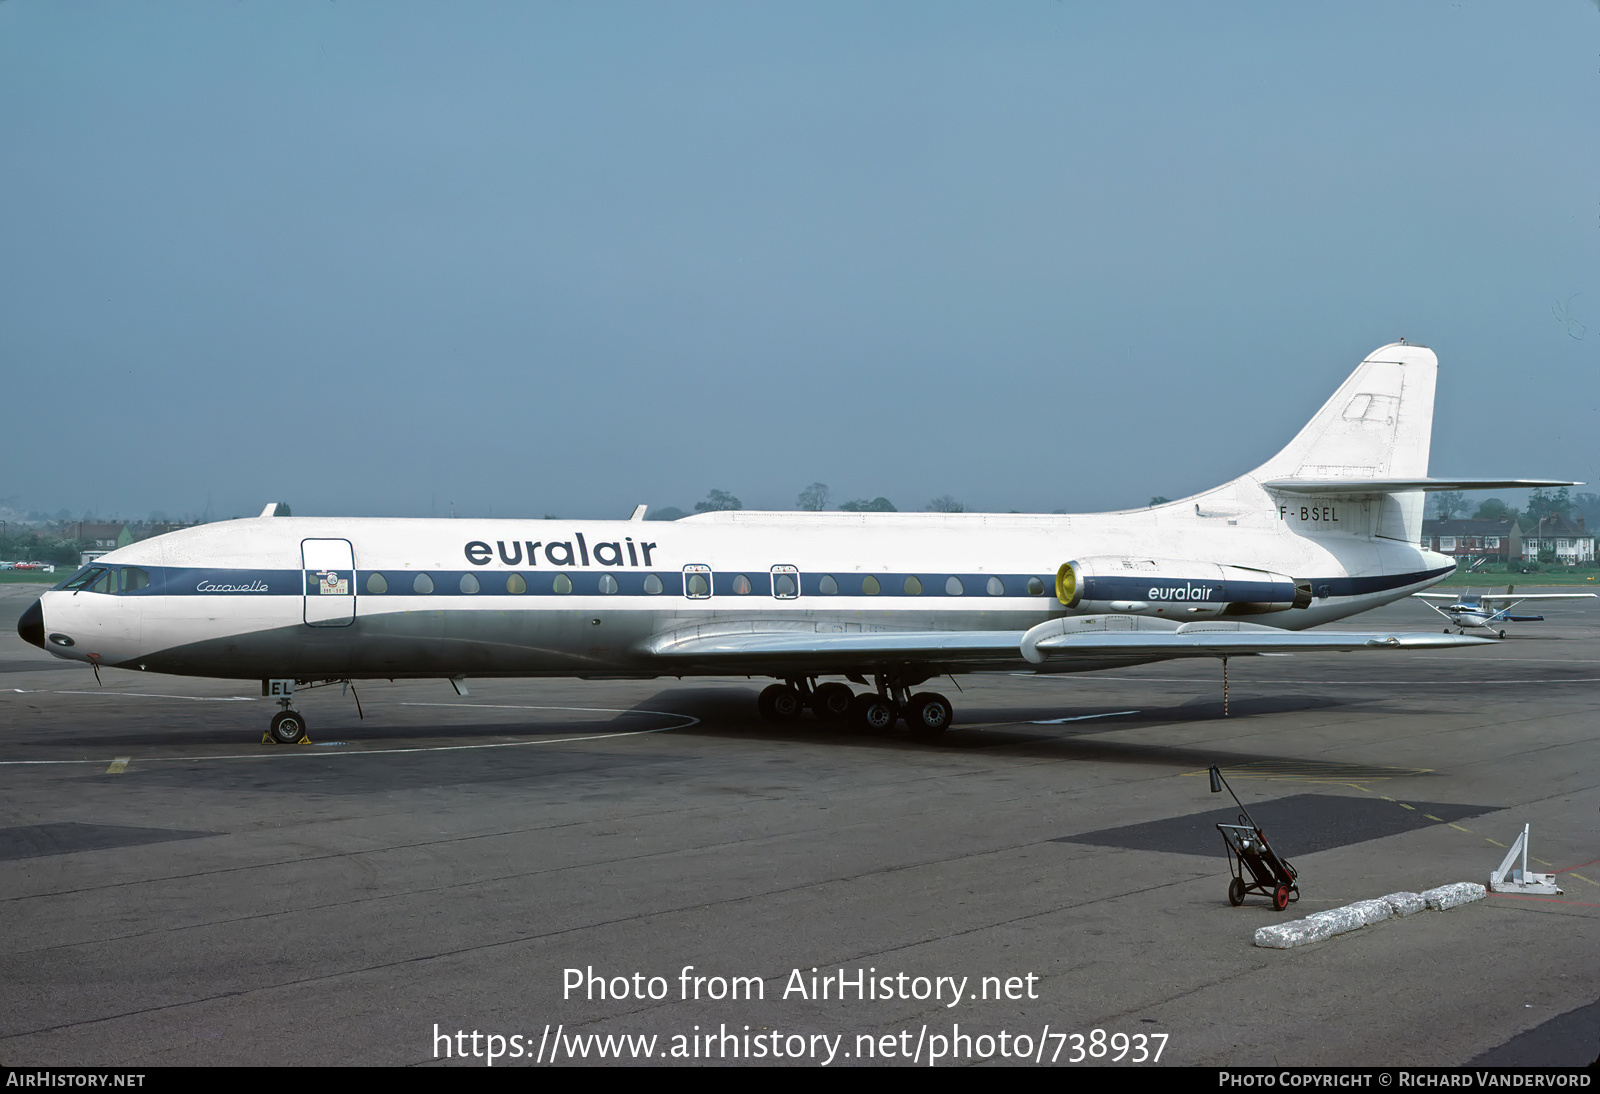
(31, 625)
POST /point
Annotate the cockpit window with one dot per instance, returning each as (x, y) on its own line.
(87, 578)
(105, 583)
(132, 579)
(82, 578)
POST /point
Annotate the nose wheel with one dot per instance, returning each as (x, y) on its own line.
(288, 727)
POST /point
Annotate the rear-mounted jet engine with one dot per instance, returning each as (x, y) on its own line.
(1175, 588)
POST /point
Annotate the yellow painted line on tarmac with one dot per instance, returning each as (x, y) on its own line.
(118, 765)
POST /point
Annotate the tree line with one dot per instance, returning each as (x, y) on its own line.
(1453, 504)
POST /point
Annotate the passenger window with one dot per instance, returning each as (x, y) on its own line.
(785, 582)
(697, 581)
(422, 585)
(377, 585)
(913, 587)
(562, 584)
(1035, 587)
(469, 583)
(134, 579)
(653, 585)
(516, 585)
(869, 585)
(827, 586)
(997, 587)
(953, 586)
(608, 584)
(741, 584)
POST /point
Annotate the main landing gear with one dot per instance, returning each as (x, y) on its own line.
(927, 713)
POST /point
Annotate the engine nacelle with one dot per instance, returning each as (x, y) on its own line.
(1175, 588)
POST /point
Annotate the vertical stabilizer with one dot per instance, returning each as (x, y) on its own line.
(1378, 425)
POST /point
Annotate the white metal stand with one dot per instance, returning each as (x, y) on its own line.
(1508, 879)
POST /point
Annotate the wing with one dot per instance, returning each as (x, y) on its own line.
(1436, 596)
(782, 646)
(1517, 598)
(779, 647)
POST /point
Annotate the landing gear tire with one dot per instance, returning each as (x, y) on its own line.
(1502, 634)
(780, 703)
(928, 714)
(288, 727)
(1280, 897)
(1236, 892)
(872, 713)
(831, 702)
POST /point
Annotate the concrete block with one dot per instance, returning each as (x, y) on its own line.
(1297, 932)
(1454, 895)
(1405, 904)
(1352, 917)
(1371, 911)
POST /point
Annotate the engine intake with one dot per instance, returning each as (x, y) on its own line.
(1176, 587)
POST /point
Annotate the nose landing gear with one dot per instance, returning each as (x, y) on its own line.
(288, 727)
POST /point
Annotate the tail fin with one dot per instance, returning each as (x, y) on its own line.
(1377, 425)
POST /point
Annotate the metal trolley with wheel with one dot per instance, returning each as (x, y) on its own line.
(1249, 852)
(1271, 876)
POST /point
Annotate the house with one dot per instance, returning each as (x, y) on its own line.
(1469, 540)
(1560, 540)
(100, 536)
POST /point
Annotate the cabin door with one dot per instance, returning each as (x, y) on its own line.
(330, 582)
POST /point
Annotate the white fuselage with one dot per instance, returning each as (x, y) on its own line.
(361, 598)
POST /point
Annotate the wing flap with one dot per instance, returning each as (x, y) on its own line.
(1059, 638)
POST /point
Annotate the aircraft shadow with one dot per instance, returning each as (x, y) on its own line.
(729, 713)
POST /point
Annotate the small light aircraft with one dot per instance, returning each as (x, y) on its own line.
(1327, 528)
(1467, 610)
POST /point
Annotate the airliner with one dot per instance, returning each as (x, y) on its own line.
(1327, 528)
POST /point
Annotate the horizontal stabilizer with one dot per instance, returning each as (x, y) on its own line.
(1374, 487)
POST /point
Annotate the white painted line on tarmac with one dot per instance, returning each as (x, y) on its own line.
(141, 695)
(1082, 718)
(286, 751)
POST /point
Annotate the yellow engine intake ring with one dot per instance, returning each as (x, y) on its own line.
(1067, 585)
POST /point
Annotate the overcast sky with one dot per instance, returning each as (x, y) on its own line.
(529, 258)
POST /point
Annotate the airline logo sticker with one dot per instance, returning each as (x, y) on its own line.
(333, 583)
